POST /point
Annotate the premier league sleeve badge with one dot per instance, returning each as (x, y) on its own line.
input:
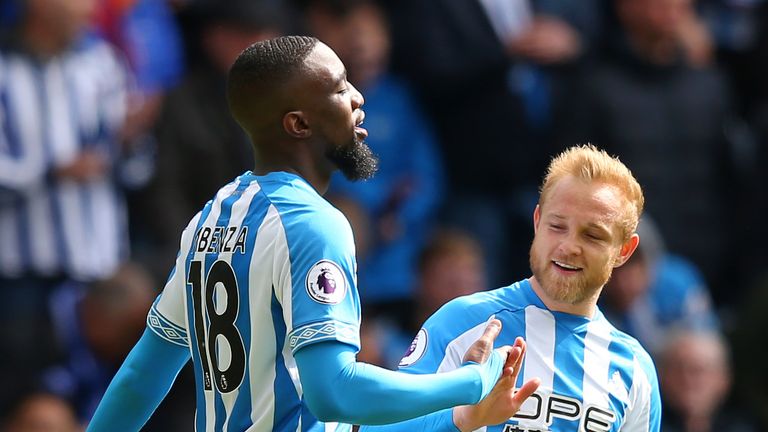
(326, 282)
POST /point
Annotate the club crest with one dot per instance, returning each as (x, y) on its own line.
(326, 282)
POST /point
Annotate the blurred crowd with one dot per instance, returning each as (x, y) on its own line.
(114, 132)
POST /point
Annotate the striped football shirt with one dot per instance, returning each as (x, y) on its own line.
(50, 111)
(266, 268)
(594, 378)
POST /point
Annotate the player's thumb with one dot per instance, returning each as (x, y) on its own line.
(482, 348)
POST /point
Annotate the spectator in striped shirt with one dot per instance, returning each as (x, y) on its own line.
(62, 106)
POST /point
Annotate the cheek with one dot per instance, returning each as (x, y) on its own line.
(539, 246)
(601, 256)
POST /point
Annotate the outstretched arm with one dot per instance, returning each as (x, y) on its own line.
(501, 404)
(338, 388)
(140, 385)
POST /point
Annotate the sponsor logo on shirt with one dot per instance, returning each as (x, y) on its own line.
(540, 410)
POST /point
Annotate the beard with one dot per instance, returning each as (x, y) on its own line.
(572, 289)
(356, 160)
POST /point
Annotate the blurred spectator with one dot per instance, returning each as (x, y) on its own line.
(695, 376)
(62, 106)
(450, 265)
(98, 324)
(396, 207)
(147, 32)
(42, 412)
(656, 291)
(489, 74)
(200, 146)
(645, 103)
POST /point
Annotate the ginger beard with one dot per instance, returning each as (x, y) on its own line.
(571, 289)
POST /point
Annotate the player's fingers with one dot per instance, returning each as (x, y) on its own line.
(509, 366)
(519, 360)
(519, 341)
(526, 391)
(492, 330)
(479, 351)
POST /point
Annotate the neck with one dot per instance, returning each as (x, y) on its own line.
(585, 308)
(318, 182)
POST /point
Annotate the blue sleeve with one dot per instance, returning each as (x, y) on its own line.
(140, 385)
(338, 388)
(324, 303)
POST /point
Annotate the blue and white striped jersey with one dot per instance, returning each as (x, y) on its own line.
(50, 111)
(266, 268)
(593, 377)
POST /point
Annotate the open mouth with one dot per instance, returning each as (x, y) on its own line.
(360, 130)
(566, 268)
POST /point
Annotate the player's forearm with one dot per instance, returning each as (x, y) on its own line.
(392, 397)
(140, 385)
(336, 388)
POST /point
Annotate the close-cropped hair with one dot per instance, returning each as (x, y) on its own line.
(588, 163)
(261, 68)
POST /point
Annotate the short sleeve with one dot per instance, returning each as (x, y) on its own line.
(167, 316)
(323, 299)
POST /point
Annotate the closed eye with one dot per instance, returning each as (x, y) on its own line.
(598, 237)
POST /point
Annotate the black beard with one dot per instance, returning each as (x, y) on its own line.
(356, 161)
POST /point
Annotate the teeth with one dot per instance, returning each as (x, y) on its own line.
(566, 266)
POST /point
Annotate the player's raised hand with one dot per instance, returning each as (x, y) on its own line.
(504, 400)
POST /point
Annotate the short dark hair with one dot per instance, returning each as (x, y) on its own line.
(260, 68)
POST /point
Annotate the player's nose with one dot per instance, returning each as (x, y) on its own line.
(357, 98)
(569, 246)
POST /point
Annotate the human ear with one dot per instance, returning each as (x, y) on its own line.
(536, 218)
(627, 249)
(295, 124)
